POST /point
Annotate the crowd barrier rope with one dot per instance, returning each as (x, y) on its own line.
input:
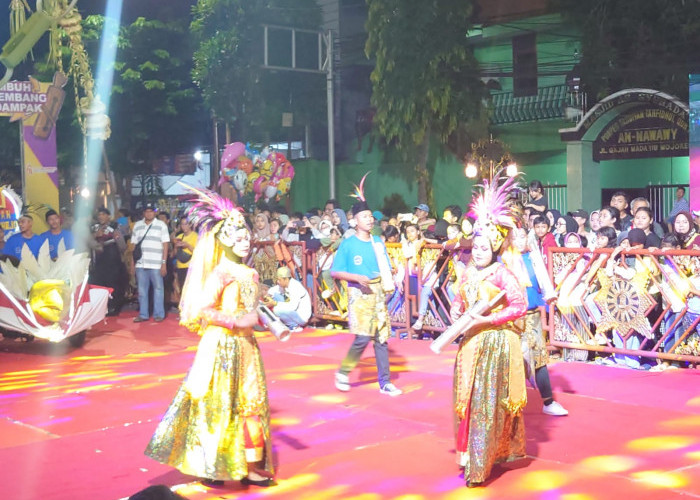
(639, 303)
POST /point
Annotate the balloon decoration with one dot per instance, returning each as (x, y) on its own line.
(265, 174)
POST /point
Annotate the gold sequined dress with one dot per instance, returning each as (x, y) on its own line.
(489, 382)
(219, 420)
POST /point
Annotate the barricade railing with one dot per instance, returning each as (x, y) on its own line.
(267, 256)
(645, 303)
(641, 303)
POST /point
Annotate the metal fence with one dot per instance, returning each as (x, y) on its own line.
(635, 303)
(549, 103)
(662, 198)
(556, 197)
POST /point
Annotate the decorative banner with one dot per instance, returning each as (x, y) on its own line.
(644, 132)
(624, 304)
(10, 208)
(37, 105)
(694, 106)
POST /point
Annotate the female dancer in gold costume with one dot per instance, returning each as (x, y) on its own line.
(218, 425)
(489, 385)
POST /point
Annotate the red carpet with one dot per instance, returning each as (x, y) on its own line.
(74, 423)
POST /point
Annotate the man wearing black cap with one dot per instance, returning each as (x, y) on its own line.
(153, 238)
(357, 262)
(55, 234)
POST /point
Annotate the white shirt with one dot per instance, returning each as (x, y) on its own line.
(152, 244)
(298, 301)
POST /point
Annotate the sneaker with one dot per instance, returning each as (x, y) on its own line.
(391, 390)
(418, 325)
(158, 320)
(554, 409)
(139, 319)
(342, 382)
(608, 362)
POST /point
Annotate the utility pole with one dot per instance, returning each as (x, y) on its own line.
(328, 66)
(325, 65)
(214, 158)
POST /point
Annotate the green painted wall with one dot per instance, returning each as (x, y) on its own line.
(549, 167)
(641, 173)
(388, 175)
(537, 149)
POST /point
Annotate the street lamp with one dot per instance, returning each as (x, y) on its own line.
(487, 157)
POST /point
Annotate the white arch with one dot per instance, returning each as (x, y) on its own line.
(596, 113)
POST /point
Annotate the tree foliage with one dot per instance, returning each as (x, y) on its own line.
(425, 81)
(636, 43)
(227, 65)
(155, 110)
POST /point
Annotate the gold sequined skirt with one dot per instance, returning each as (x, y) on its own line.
(216, 434)
(367, 312)
(533, 340)
(489, 394)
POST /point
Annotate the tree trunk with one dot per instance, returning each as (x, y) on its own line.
(111, 188)
(123, 188)
(425, 189)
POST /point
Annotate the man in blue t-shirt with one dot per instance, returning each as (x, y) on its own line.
(356, 262)
(13, 246)
(55, 234)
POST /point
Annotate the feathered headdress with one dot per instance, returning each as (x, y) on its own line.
(209, 210)
(359, 193)
(208, 214)
(491, 210)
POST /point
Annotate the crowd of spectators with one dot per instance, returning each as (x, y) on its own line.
(621, 223)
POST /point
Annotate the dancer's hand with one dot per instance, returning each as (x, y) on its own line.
(479, 320)
(362, 280)
(247, 320)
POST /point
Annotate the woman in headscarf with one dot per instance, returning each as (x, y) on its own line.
(314, 221)
(261, 228)
(684, 230)
(218, 425)
(340, 220)
(564, 225)
(553, 215)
